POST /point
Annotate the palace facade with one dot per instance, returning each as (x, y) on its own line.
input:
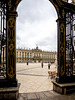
(35, 55)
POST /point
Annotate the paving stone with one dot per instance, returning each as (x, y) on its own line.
(48, 94)
(32, 96)
(45, 96)
(21, 98)
(41, 96)
(54, 93)
(24, 96)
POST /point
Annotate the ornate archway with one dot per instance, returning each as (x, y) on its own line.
(65, 22)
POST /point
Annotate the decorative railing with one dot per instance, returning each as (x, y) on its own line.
(70, 38)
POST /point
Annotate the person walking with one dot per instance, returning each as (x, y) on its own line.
(49, 64)
(27, 62)
(42, 64)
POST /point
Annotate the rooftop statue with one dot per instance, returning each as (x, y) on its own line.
(65, 0)
(73, 1)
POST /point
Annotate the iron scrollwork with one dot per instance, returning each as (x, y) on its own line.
(11, 38)
(11, 69)
(62, 49)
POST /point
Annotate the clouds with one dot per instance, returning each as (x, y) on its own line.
(36, 24)
(33, 10)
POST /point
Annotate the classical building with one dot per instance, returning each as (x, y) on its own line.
(35, 55)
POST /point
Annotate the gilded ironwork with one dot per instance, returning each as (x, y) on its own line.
(12, 5)
(62, 49)
(9, 5)
(63, 13)
(55, 5)
(11, 69)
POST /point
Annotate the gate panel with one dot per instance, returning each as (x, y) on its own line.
(69, 43)
(2, 40)
(74, 44)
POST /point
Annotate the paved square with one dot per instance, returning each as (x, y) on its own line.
(35, 84)
(33, 77)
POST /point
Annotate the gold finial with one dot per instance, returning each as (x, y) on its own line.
(73, 1)
(65, 0)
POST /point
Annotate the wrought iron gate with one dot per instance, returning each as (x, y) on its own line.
(2, 40)
(66, 39)
(74, 44)
(70, 38)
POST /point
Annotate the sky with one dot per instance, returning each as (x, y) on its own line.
(36, 25)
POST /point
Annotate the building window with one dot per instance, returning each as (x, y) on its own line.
(34, 54)
(42, 55)
(25, 54)
(30, 55)
(17, 60)
(17, 54)
(54, 56)
(22, 60)
(39, 54)
(22, 54)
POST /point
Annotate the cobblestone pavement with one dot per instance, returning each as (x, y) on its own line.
(35, 84)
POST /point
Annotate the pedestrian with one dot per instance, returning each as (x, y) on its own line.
(49, 64)
(27, 62)
(42, 64)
